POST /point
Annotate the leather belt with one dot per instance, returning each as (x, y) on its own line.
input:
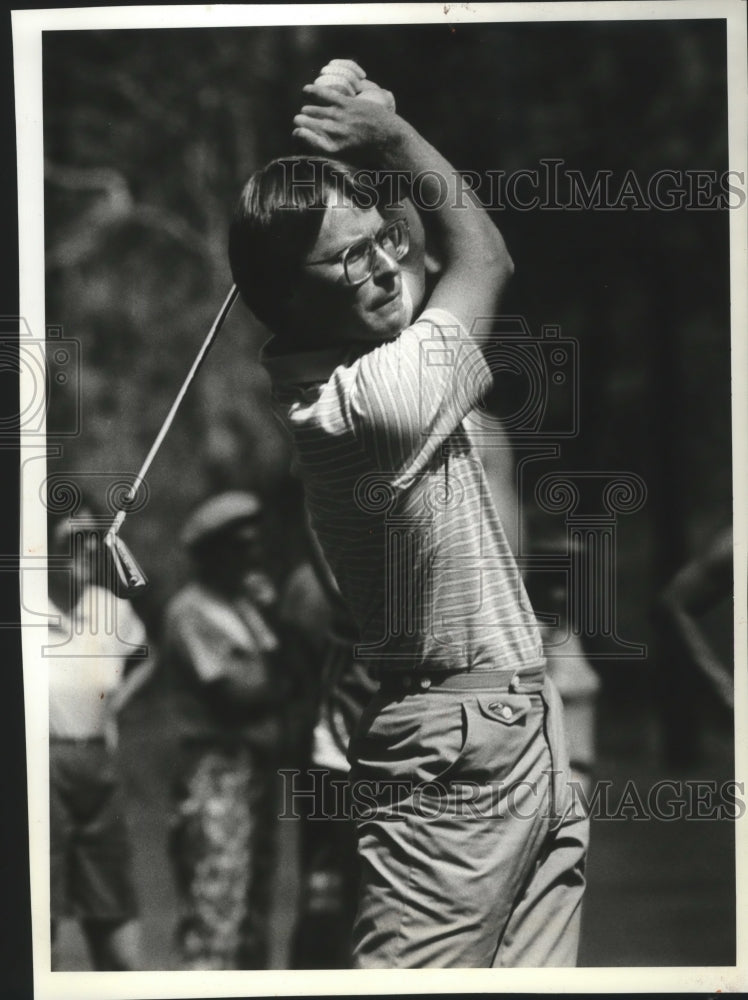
(526, 681)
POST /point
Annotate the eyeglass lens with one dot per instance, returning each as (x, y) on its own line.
(359, 260)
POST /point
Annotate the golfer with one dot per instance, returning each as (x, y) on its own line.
(470, 850)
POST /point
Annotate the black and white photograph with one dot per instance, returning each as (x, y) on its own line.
(383, 497)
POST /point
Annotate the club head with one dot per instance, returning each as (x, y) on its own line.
(128, 571)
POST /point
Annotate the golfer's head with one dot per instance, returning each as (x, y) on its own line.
(315, 259)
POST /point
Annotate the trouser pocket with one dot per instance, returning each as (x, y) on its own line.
(498, 730)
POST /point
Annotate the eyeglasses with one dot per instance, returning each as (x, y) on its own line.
(358, 258)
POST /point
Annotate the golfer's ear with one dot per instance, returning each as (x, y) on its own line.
(423, 253)
(432, 264)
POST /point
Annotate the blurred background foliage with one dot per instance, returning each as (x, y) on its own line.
(149, 136)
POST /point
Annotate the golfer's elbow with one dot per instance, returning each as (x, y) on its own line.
(496, 264)
(499, 255)
(504, 269)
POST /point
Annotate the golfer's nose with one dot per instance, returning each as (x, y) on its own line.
(385, 265)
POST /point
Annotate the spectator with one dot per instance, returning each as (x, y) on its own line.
(220, 656)
(691, 666)
(94, 636)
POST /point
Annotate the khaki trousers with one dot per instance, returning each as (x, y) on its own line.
(471, 847)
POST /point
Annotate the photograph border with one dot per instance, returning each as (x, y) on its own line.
(28, 26)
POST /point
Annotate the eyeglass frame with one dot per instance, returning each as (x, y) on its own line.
(373, 242)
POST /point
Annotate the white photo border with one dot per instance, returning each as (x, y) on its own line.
(28, 26)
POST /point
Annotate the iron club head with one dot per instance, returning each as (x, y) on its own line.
(128, 571)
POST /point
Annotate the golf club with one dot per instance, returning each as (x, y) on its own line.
(127, 568)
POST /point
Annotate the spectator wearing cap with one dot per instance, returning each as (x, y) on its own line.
(218, 654)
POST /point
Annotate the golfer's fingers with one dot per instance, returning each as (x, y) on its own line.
(344, 65)
(342, 73)
(315, 140)
(325, 95)
(367, 88)
(315, 124)
(326, 124)
(318, 112)
(337, 81)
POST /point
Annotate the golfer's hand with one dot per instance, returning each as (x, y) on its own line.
(343, 75)
(337, 125)
(347, 77)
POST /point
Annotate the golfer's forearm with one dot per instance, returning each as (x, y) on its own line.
(467, 236)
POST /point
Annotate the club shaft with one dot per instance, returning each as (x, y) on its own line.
(191, 374)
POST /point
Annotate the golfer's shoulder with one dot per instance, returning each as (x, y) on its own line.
(389, 381)
(434, 330)
(337, 406)
(394, 361)
(437, 327)
(375, 381)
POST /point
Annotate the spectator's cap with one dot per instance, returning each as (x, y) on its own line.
(219, 514)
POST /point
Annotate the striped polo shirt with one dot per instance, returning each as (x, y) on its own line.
(399, 502)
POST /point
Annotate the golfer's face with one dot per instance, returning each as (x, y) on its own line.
(372, 311)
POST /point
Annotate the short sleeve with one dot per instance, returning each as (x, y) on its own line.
(410, 394)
